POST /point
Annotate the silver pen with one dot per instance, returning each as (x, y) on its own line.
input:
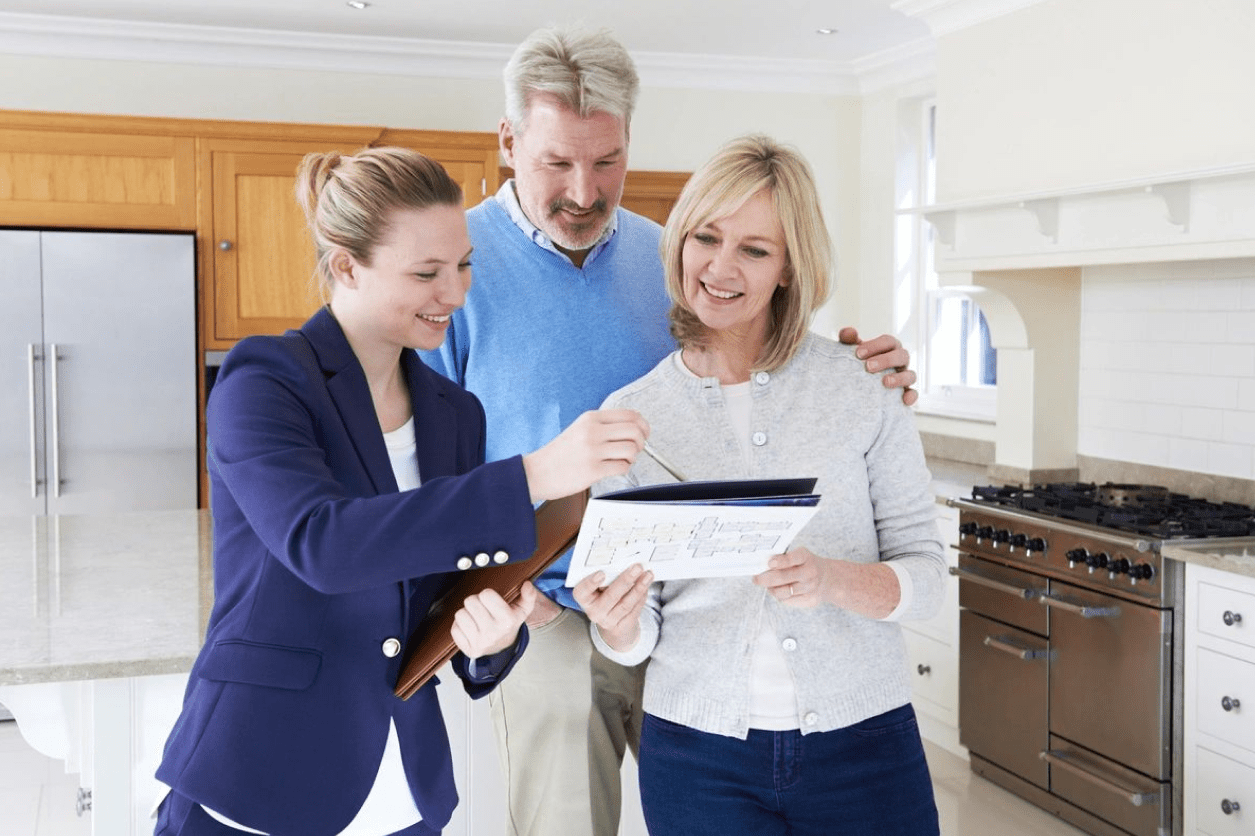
(666, 465)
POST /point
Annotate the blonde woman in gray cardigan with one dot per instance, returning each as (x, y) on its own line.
(779, 703)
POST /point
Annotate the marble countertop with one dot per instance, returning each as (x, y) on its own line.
(100, 596)
(1236, 554)
(111, 595)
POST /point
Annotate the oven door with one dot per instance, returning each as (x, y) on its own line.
(1111, 677)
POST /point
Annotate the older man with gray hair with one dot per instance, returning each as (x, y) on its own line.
(567, 305)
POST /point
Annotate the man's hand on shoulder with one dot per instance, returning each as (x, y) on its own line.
(885, 352)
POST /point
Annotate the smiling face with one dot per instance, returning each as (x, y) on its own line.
(732, 266)
(417, 276)
(568, 170)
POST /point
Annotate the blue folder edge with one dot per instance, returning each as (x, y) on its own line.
(735, 492)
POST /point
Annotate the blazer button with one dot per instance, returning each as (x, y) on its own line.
(500, 557)
(391, 647)
(481, 559)
(759, 439)
(465, 563)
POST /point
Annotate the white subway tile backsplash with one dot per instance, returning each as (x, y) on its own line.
(1246, 395)
(1168, 365)
(1202, 424)
(1230, 460)
(1239, 428)
(1187, 454)
(1241, 327)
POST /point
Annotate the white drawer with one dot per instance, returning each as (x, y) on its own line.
(1226, 613)
(1222, 779)
(933, 670)
(1222, 678)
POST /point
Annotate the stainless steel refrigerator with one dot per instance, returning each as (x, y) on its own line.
(98, 372)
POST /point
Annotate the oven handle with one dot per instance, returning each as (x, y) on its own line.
(1010, 589)
(1080, 609)
(1137, 799)
(1028, 654)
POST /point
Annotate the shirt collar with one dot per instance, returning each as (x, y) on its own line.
(509, 201)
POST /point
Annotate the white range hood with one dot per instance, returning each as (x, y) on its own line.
(1022, 258)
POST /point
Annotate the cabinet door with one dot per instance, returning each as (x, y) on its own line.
(71, 178)
(470, 157)
(263, 257)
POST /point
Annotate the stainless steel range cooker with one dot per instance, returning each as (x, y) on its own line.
(1070, 646)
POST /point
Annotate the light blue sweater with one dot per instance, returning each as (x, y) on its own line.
(541, 341)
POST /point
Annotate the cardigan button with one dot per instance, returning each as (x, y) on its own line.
(500, 557)
(811, 718)
(481, 559)
(465, 563)
(761, 378)
(789, 644)
(759, 439)
(391, 647)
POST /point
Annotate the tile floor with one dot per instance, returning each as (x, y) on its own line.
(37, 798)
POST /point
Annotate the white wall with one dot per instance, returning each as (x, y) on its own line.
(1168, 366)
(1071, 92)
(674, 129)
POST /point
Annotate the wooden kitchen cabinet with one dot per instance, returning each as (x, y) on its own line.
(1219, 791)
(259, 258)
(66, 170)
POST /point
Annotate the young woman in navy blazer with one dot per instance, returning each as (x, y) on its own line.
(348, 484)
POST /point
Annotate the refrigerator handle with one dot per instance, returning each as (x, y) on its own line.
(32, 356)
(55, 477)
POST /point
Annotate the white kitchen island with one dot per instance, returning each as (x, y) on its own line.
(102, 616)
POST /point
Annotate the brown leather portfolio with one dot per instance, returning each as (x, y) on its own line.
(431, 644)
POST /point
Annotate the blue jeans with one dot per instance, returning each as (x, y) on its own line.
(869, 779)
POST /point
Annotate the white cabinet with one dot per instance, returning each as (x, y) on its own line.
(932, 649)
(1219, 702)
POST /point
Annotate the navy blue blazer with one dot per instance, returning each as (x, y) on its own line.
(318, 562)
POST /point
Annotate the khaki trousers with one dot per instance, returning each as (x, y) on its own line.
(563, 718)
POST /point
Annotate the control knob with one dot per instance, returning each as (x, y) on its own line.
(1018, 541)
(985, 532)
(1002, 535)
(1076, 556)
(1096, 561)
(967, 528)
(1037, 544)
(1119, 566)
(1141, 572)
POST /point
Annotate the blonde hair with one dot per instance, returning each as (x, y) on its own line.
(738, 171)
(586, 71)
(349, 200)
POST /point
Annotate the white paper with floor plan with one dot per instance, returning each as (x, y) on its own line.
(692, 530)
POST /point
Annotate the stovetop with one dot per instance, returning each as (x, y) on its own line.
(1145, 510)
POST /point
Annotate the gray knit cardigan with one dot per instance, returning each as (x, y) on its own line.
(820, 415)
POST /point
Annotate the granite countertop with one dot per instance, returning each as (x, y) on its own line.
(100, 596)
(1236, 554)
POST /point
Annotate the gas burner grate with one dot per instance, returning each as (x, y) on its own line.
(1146, 510)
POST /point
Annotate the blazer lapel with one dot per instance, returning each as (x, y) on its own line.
(434, 421)
(346, 383)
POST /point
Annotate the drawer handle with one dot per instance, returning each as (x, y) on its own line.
(1083, 610)
(1231, 618)
(1230, 703)
(1010, 589)
(1028, 654)
(922, 670)
(1137, 799)
(1229, 807)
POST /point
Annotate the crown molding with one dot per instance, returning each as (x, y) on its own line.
(946, 16)
(901, 65)
(90, 38)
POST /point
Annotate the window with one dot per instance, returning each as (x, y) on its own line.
(944, 329)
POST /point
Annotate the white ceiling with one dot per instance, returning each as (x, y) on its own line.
(735, 37)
